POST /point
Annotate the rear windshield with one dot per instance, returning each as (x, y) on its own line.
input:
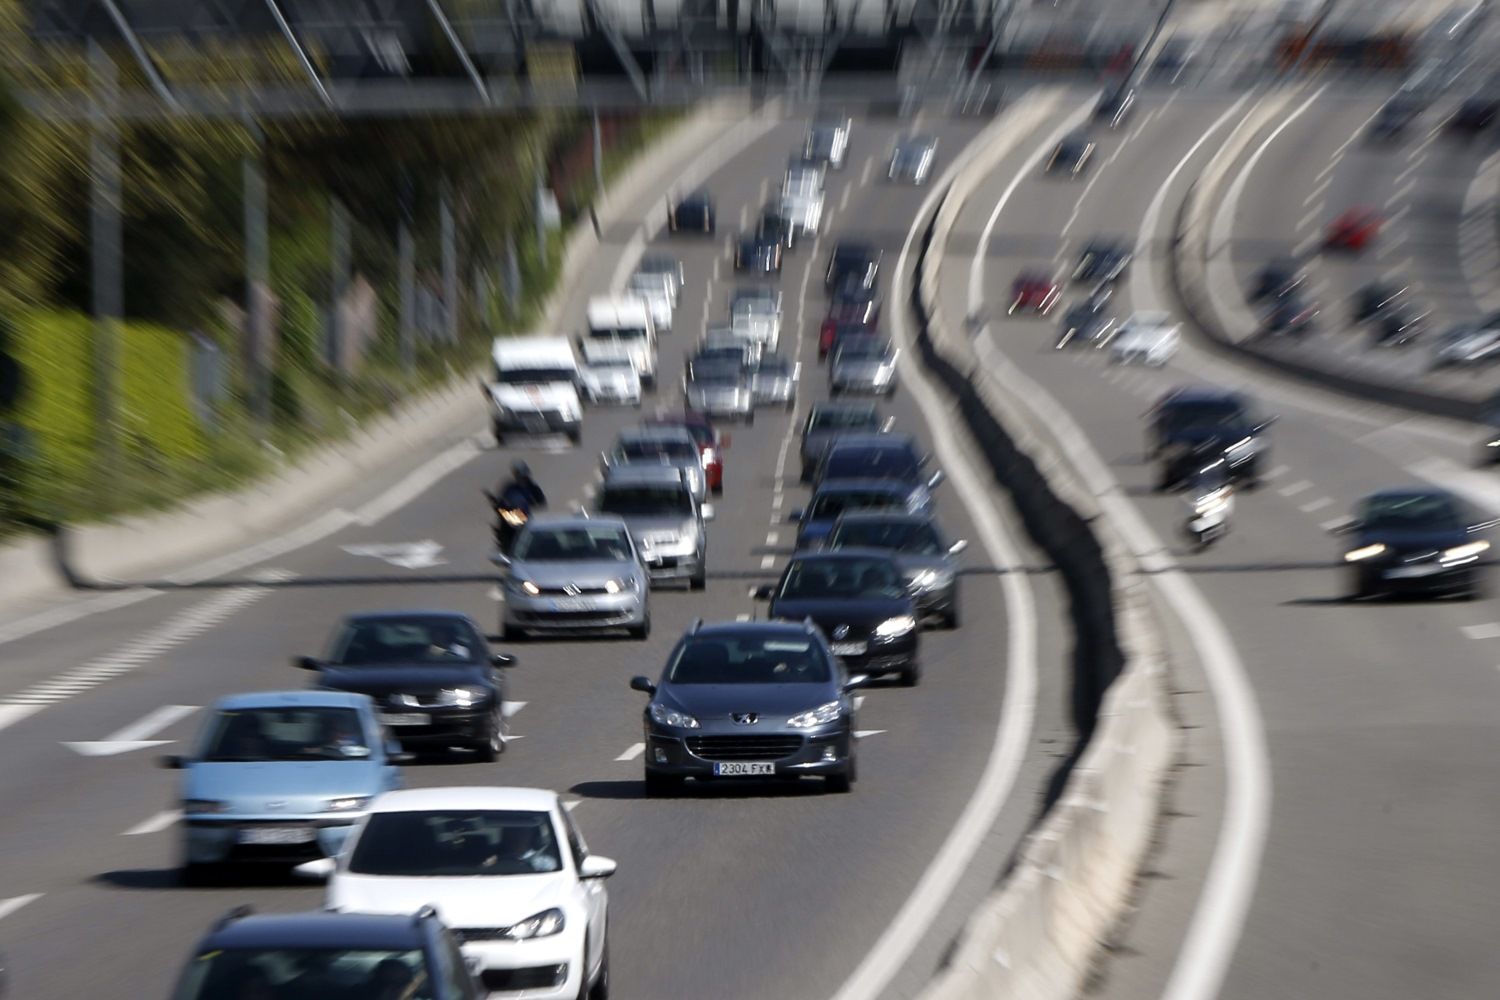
(1207, 413)
(643, 499)
(456, 843)
(828, 420)
(780, 659)
(871, 463)
(534, 376)
(826, 506)
(647, 448)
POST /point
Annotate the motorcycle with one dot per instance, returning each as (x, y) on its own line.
(510, 518)
(1210, 504)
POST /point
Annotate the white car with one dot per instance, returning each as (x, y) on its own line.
(761, 326)
(804, 209)
(804, 176)
(608, 375)
(659, 292)
(505, 868)
(1150, 337)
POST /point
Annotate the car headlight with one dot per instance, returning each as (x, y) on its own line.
(526, 587)
(620, 586)
(820, 716)
(931, 579)
(191, 806)
(665, 716)
(461, 696)
(544, 924)
(1365, 552)
(892, 627)
(348, 803)
(1464, 553)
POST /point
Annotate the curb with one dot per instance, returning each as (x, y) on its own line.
(1039, 934)
(151, 544)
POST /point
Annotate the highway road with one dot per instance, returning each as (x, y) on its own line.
(741, 893)
(1379, 719)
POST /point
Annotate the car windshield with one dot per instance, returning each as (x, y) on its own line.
(645, 499)
(840, 579)
(871, 463)
(863, 349)
(533, 376)
(407, 639)
(610, 364)
(584, 543)
(826, 506)
(702, 433)
(638, 448)
(456, 843)
(1204, 415)
(902, 536)
(285, 733)
(774, 366)
(717, 374)
(833, 419)
(820, 142)
(749, 659)
(298, 973)
(1417, 512)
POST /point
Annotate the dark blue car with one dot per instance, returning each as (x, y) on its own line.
(841, 495)
(1415, 540)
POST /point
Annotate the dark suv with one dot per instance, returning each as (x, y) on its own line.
(327, 955)
(1191, 427)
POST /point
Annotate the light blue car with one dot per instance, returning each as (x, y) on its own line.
(281, 776)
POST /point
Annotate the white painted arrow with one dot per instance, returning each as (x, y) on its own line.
(407, 555)
(137, 735)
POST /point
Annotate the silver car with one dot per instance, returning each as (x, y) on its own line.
(670, 267)
(666, 520)
(721, 389)
(574, 573)
(659, 293)
(759, 320)
(774, 381)
(912, 159)
(863, 364)
(654, 444)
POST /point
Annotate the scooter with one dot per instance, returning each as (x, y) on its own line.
(1208, 515)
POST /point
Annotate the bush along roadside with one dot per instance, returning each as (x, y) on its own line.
(348, 332)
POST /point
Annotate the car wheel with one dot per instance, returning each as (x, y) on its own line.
(600, 989)
(511, 633)
(661, 786)
(643, 630)
(575, 435)
(911, 675)
(841, 784)
(698, 580)
(493, 744)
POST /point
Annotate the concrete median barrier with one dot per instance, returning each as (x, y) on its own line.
(1038, 935)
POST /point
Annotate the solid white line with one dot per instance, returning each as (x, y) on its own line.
(11, 905)
(1489, 630)
(154, 824)
(634, 751)
(894, 946)
(869, 168)
(1300, 486)
(1317, 504)
(67, 613)
(416, 483)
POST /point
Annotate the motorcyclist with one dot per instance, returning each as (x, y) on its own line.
(1210, 502)
(513, 504)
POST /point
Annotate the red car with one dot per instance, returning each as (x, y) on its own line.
(1354, 230)
(1034, 291)
(711, 443)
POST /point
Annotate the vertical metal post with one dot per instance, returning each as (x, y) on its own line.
(258, 361)
(338, 221)
(406, 278)
(512, 279)
(541, 222)
(450, 266)
(105, 259)
(598, 155)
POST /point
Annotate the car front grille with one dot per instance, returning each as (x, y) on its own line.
(534, 977)
(575, 591)
(729, 748)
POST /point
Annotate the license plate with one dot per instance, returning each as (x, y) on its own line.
(535, 424)
(277, 835)
(739, 769)
(415, 719)
(570, 604)
(1407, 572)
(848, 649)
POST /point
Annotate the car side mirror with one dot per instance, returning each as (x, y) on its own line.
(171, 761)
(764, 592)
(594, 866)
(856, 682)
(642, 684)
(316, 870)
(707, 510)
(500, 559)
(958, 546)
(936, 479)
(502, 660)
(305, 663)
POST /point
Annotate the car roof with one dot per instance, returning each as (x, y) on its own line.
(1412, 492)
(1202, 394)
(869, 440)
(292, 699)
(772, 626)
(853, 552)
(655, 432)
(465, 797)
(613, 310)
(872, 484)
(854, 248)
(317, 929)
(888, 516)
(574, 521)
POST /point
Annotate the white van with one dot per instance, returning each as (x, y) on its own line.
(535, 388)
(627, 320)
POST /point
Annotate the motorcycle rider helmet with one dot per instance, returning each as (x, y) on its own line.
(520, 470)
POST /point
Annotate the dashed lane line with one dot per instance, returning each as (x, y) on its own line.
(1489, 630)
(632, 752)
(14, 903)
(155, 824)
(1317, 504)
(1301, 486)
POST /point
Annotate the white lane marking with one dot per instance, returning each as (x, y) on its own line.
(406, 555)
(154, 824)
(1410, 169)
(894, 946)
(632, 752)
(14, 903)
(1400, 193)
(1317, 504)
(742, 617)
(844, 198)
(67, 613)
(1300, 486)
(313, 531)
(859, 701)
(766, 562)
(137, 735)
(1489, 630)
(416, 483)
(510, 708)
(869, 168)
(1333, 522)
(1317, 192)
(772, 537)
(861, 734)
(1333, 163)
(181, 627)
(1224, 900)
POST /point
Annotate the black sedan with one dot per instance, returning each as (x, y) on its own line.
(1414, 540)
(430, 672)
(1086, 323)
(1277, 278)
(1374, 298)
(860, 601)
(758, 254)
(926, 558)
(876, 456)
(1071, 156)
(1391, 121)
(1398, 326)
(856, 260)
(747, 700)
(1102, 260)
(693, 214)
(1192, 427)
(776, 228)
